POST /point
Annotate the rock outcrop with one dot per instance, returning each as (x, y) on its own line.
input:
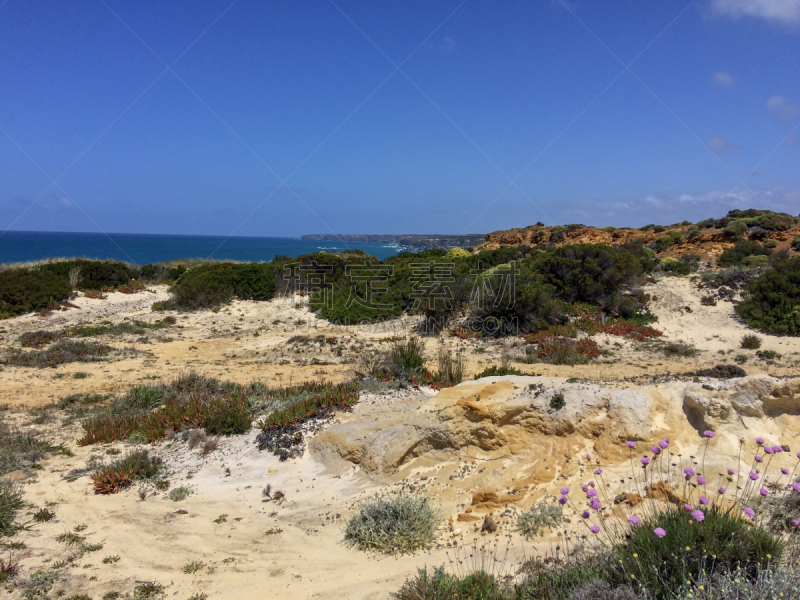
(515, 416)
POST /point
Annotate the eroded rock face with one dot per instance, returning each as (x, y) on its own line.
(514, 416)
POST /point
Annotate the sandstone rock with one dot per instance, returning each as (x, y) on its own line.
(489, 526)
(468, 517)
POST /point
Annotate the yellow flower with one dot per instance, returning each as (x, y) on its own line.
(688, 549)
(635, 555)
(700, 587)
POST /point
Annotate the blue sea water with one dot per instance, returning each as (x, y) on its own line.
(24, 246)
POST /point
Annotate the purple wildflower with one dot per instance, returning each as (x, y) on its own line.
(584, 487)
(595, 504)
(564, 491)
(777, 449)
(721, 490)
(595, 529)
(645, 461)
(784, 470)
(731, 472)
(687, 507)
(708, 434)
(749, 512)
(562, 501)
(701, 480)
(689, 471)
(796, 487)
(760, 441)
(598, 471)
(630, 444)
(768, 450)
(758, 458)
(591, 493)
(634, 520)
(659, 532)
(703, 500)
(585, 514)
(795, 522)
(663, 444)
(753, 476)
(763, 492)
(698, 515)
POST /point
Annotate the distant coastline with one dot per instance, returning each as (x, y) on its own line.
(412, 242)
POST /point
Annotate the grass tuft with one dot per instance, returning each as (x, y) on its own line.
(399, 524)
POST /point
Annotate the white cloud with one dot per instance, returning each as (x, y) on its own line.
(719, 145)
(782, 108)
(723, 79)
(778, 11)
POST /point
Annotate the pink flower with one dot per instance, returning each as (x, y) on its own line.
(698, 515)
(562, 501)
(591, 493)
(564, 491)
(591, 484)
(584, 487)
(749, 512)
(598, 471)
(634, 520)
(784, 470)
(645, 461)
(763, 492)
(687, 507)
(585, 514)
(595, 529)
(655, 450)
(708, 434)
(630, 444)
(768, 450)
(588, 457)
(689, 472)
(659, 532)
(777, 449)
(760, 441)
(703, 500)
(731, 472)
(797, 455)
(796, 487)
(753, 476)
(701, 480)
(664, 444)
(758, 458)
(721, 490)
(795, 522)
(595, 504)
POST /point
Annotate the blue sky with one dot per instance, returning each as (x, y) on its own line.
(284, 118)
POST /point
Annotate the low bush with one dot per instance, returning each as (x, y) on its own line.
(750, 342)
(541, 515)
(211, 285)
(736, 254)
(62, 352)
(394, 525)
(451, 368)
(180, 493)
(796, 243)
(406, 357)
(439, 585)
(778, 582)
(36, 339)
(124, 328)
(28, 290)
(721, 372)
(563, 351)
(498, 371)
(123, 472)
(230, 419)
(673, 349)
(11, 503)
(20, 450)
(768, 354)
(771, 300)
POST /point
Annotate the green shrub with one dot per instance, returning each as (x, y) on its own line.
(19, 450)
(211, 285)
(772, 300)
(779, 582)
(398, 524)
(180, 493)
(406, 356)
(230, 419)
(796, 243)
(737, 254)
(36, 339)
(750, 342)
(63, 351)
(736, 230)
(498, 371)
(557, 402)
(541, 515)
(27, 290)
(478, 585)
(679, 349)
(124, 471)
(722, 542)
(11, 503)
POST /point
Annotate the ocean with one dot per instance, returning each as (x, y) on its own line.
(25, 246)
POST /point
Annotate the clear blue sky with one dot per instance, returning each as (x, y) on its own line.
(284, 118)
